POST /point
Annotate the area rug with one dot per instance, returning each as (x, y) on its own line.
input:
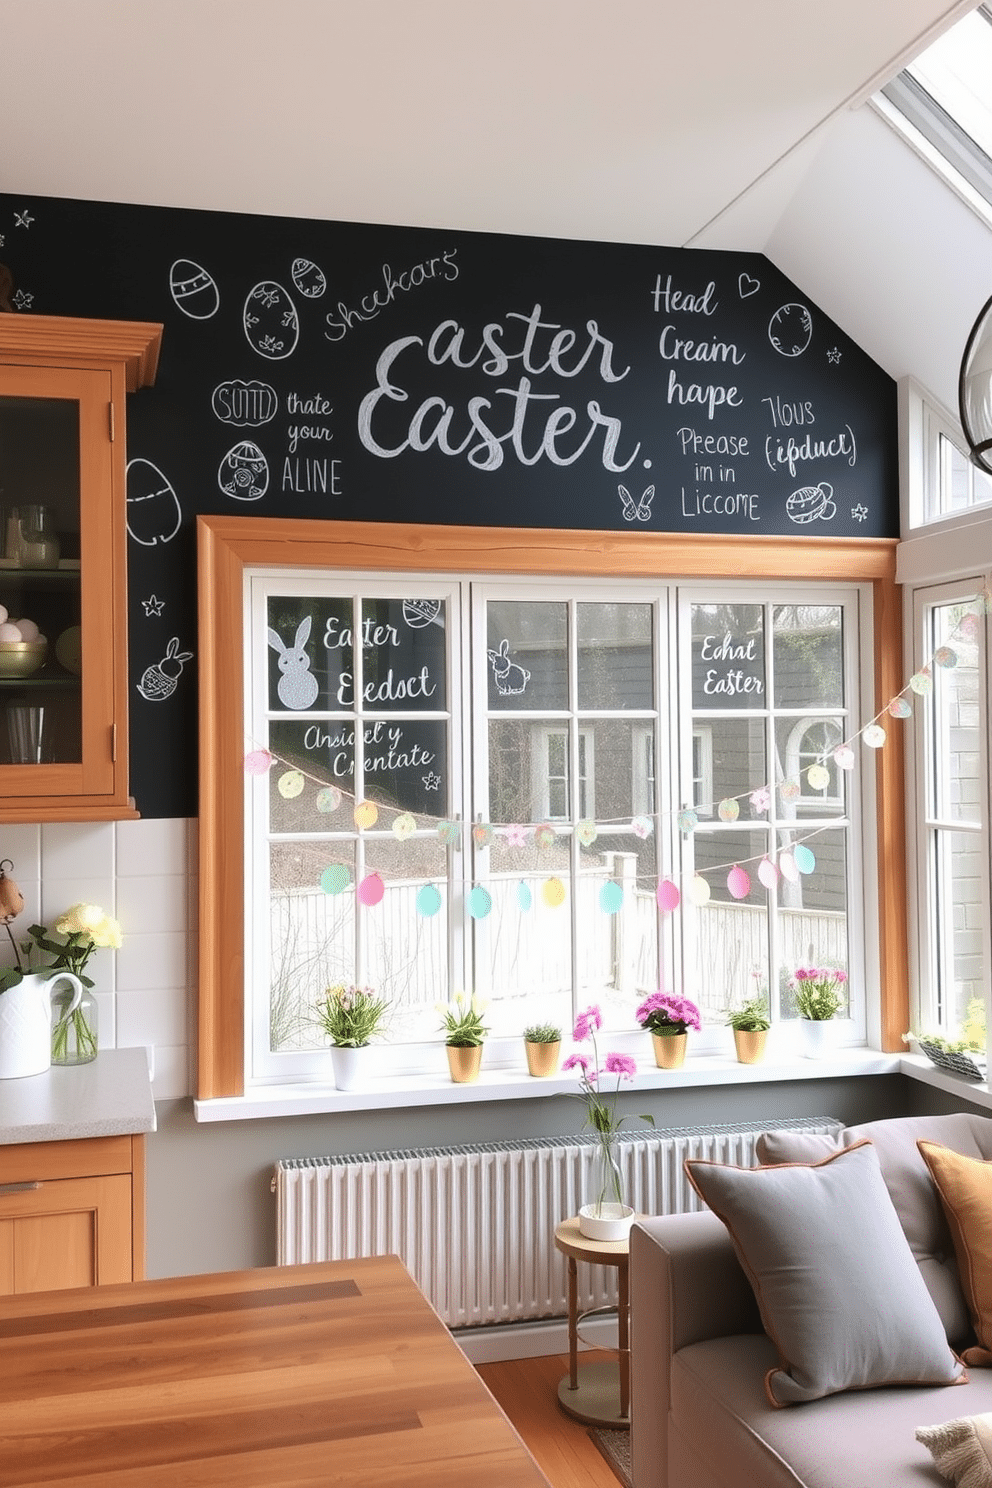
(615, 1447)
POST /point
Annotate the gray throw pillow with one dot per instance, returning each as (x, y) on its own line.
(840, 1294)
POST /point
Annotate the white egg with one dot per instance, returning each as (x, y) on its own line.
(3, 613)
(28, 629)
(10, 632)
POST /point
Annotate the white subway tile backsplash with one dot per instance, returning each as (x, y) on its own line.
(153, 903)
(152, 847)
(145, 962)
(77, 850)
(59, 893)
(21, 843)
(155, 1017)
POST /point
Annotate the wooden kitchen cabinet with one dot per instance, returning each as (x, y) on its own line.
(72, 1213)
(63, 559)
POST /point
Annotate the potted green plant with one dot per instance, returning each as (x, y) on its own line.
(819, 994)
(542, 1043)
(750, 1023)
(351, 1017)
(464, 1035)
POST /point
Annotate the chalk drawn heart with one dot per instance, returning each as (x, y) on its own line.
(748, 286)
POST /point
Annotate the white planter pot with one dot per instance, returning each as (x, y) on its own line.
(26, 1024)
(351, 1066)
(605, 1221)
(817, 1037)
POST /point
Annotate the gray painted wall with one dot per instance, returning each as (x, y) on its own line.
(209, 1203)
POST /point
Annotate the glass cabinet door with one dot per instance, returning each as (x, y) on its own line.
(57, 633)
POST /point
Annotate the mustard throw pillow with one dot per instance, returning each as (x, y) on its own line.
(965, 1188)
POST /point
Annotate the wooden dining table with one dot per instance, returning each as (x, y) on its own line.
(332, 1373)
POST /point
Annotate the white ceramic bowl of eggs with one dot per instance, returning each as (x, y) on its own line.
(22, 646)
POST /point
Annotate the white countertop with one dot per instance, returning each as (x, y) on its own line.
(109, 1097)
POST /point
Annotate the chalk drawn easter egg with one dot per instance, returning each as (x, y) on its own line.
(420, 612)
(193, 289)
(790, 330)
(811, 504)
(309, 280)
(244, 472)
(153, 511)
(271, 323)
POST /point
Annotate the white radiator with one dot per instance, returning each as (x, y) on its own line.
(474, 1225)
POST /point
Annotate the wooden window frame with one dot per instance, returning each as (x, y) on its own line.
(227, 545)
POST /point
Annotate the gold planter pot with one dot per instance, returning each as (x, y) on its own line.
(750, 1046)
(464, 1063)
(669, 1049)
(542, 1059)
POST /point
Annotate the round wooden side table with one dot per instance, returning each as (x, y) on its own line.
(597, 1394)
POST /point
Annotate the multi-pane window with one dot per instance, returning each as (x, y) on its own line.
(953, 855)
(481, 785)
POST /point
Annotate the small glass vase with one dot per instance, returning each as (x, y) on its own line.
(74, 1034)
(606, 1217)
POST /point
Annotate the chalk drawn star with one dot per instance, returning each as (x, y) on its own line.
(153, 605)
(21, 299)
(833, 355)
(859, 513)
(432, 782)
(23, 219)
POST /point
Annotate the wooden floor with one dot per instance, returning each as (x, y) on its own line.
(527, 1389)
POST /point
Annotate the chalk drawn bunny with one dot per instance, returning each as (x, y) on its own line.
(159, 680)
(511, 679)
(298, 687)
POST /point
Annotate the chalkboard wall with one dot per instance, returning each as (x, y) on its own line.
(346, 371)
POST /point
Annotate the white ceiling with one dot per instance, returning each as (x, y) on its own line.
(640, 121)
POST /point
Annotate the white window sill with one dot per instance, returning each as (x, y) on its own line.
(396, 1092)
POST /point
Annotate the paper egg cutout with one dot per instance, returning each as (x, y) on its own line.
(921, 682)
(787, 867)
(258, 762)
(244, 403)
(525, 899)
(449, 832)
(335, 879)
(610, 897)
(586, 833)
(729, 810)
(688, 822)
(699, 891)
(668, 895)
(271, 324)
(291, 784)
(153, 511)
(428, 901)
(790, 330)
(244, 472)
(328, 799)
(738, 883)
(642, 827)
(479, 903)
(404, 826)
(968, 626)
(844, 757)
(900, 707)
(420, 612)
(194, 291)
(945, 656)
(767, 873)
(309, 280)
(790, 790)
(371, 890)
(482, 834)
(804, 858)
(544, 835)
(874, 736)
(366, 814)
(553, 893)
(818, 777)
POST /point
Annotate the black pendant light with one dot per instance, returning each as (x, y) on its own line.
(975, 390)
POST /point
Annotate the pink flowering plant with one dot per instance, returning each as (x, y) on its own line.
(819, 992)
(601, 1110)
(666, 1013)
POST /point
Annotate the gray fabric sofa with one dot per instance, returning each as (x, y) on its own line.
(700, 1415)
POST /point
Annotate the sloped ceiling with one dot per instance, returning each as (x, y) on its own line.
(640, 121)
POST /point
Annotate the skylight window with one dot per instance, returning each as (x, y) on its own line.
(945, 96)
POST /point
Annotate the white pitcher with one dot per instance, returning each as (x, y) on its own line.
(26, 1023)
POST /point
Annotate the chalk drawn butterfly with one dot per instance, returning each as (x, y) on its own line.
(636, 511)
